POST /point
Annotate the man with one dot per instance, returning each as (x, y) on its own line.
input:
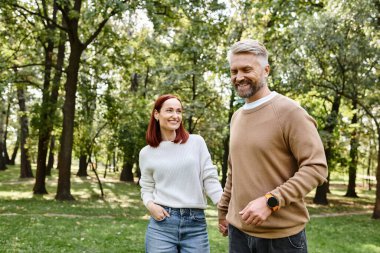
(276, 158)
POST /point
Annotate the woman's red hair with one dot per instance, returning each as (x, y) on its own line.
(153, 134)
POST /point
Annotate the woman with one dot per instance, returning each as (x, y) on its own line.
(176, 175)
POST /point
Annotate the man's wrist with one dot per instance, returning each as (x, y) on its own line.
(272, 202)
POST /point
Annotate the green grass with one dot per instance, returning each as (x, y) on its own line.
(117, 223)
(344, 234)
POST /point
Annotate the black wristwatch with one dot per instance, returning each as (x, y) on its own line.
(272, 202)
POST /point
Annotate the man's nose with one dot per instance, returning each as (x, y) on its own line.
(239, 77)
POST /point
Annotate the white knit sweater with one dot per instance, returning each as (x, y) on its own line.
(179, 175)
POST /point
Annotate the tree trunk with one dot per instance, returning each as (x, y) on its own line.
(25, 168)
(50, 163)
(45, 118)
(5, 148)
(107, 166)
(376, 210)
(12, 161)
(226, 141)
(332, 120)
(127, 174)
(146, 82)
(190, 123)
(2, 115)
(49, 104)
(76, 50)
(82, 172)
(64, 157)
(369, 167)
(114, 162)
(354, 143)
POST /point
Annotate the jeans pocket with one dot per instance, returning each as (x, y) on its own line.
(164, 219)
(298, 241)
(198, 216)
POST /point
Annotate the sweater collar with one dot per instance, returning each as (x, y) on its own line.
(261, 105)
(260, 101)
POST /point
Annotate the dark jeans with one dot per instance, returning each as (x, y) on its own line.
(240, 242)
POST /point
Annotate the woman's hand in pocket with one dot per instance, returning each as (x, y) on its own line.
(157, 212)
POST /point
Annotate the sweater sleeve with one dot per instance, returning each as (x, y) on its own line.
(300, 133)
(210, 179)
(225, 199)
(146, 181)
(226, 196)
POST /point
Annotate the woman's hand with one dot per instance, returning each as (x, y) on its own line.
(157, 212)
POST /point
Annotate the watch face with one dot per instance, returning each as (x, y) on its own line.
(272, 202)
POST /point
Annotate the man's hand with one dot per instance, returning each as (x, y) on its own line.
(223, 227)
(256, 212)
(156, 211)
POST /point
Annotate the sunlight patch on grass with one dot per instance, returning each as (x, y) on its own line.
(15, 195)
(76, 179)
(370, 248)
(19, 181)
(212, 211)
(82, 194)
(146, 217)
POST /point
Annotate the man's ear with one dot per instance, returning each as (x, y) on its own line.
(267, 70)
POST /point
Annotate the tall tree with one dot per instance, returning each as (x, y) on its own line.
(25, 168)
(85, 121)
(354, 143)
(3, 165)
(71, 13)
(49, 90)
(5, 148)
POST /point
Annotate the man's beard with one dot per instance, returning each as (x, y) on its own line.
(254, 87)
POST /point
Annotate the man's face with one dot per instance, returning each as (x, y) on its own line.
(247, 74)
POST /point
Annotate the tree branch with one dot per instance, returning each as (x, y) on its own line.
(16, 6)
(101, 25)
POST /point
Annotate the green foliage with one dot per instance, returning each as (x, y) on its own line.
(325, 56)
(318, 50)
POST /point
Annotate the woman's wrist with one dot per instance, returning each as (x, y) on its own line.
(149, 204)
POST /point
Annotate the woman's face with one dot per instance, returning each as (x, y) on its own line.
(170, 115)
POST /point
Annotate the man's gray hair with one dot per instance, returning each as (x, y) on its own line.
(249, 46)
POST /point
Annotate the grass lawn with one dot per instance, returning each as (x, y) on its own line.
(117, 222)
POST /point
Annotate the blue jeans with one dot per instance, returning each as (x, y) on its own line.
(185, 231)
(240, 242)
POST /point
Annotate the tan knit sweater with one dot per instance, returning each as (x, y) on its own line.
(276, 148)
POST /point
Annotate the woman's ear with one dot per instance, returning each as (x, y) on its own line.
(156, 114)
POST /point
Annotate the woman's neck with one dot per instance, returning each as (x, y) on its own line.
(168, 136)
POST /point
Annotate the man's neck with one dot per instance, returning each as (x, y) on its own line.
(265, 91)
